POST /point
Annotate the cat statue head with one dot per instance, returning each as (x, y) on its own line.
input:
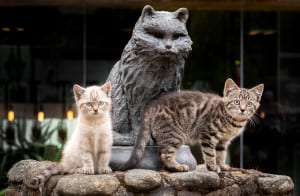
(162, 32)
(241, 103)
(93, 101)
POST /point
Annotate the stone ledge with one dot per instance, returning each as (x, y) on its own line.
(149, 182)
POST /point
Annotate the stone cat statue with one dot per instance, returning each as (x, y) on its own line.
(152, 63)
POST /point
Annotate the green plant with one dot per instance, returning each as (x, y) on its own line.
(20, 147)
(2, 192)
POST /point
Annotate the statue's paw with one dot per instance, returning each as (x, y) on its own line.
(34, 183)
(184, 168)
(180, 168)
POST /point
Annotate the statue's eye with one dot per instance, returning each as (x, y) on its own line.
(236, 102)
(156, 34)
(88, 104)
(177, 35)
(249, 104)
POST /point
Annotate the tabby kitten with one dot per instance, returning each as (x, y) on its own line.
(89, 149)
(189, 117)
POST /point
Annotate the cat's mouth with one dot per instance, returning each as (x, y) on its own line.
(167, 52)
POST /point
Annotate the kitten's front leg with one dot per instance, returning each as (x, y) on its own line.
(103, 162)
(221, 150)
(87, 164)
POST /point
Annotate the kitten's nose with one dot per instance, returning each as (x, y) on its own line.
(96, 110)
(242, 110)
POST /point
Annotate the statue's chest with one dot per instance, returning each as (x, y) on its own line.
(160, 73)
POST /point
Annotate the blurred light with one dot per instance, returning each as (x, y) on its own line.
(5, 29)
(40, 116)
(237, 62)
(10, 115)
(70, 114)
(268, 32)
(20, 29)
(262, 115)
(254, 32)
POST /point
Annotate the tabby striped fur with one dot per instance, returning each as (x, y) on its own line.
(190, 117)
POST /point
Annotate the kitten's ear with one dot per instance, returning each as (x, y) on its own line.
(230, 85)
(78, 92)
(182, 14)
(107, 88)
(258, 91)
(148, 10)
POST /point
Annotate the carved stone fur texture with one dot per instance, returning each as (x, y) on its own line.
(152, 63)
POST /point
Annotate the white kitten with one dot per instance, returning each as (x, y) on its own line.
(88, 151)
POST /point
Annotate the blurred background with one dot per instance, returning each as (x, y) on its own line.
(47, 46)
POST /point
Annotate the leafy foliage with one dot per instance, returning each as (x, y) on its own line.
(20, 147)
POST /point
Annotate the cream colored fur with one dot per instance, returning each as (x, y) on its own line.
(89, 149)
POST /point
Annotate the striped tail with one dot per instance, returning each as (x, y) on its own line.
(139, 147)
(40, 179)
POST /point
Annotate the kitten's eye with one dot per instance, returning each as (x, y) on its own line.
(88, 104)
(236, 102)
(101, 103)
(249, 104)
(178, 35)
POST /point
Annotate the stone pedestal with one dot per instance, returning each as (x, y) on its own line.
(148, 182)
(150, 159)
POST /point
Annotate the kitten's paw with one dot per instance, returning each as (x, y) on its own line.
(225, 167)
(85, 170)
(104, 170)
(214, 168)
(201, 167)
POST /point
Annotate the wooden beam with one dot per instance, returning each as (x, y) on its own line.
(164, 4)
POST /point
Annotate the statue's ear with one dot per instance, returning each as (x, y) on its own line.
(147, 11)
(182, 14)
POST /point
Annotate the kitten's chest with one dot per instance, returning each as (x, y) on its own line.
(97, 136)
(231, 132)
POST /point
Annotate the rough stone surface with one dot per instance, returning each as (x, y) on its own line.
(80, 184)
(142, 180)
(194, 180)
(275, 184)
(229, 190)
(149, 183)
